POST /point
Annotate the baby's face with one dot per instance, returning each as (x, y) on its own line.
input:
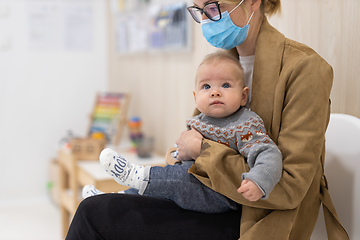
(219, 89)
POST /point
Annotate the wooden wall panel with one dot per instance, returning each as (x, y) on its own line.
(161, 84)
(332, 28)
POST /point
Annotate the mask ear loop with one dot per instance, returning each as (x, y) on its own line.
(236, 6)
(250, 18)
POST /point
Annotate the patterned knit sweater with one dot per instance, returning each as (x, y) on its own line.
(245, 132)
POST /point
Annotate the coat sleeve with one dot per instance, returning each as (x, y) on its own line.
(300, 137)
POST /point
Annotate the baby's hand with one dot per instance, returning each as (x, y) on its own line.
(250, 190)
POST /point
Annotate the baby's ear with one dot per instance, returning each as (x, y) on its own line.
(244, 96)
(194, 95)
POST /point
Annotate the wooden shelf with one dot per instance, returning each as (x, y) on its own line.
(75, 173)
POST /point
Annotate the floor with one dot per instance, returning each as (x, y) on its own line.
(30, 219)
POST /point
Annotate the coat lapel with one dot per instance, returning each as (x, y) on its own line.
(267, 69)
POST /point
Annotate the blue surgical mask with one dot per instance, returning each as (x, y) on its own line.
(224, 33)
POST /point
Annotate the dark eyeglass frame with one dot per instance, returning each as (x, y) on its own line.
(202, 11)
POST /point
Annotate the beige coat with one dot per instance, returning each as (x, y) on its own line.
(290, 91)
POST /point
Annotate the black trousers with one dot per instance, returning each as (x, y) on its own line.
(134, 217)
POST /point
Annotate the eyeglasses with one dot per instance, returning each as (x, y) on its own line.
(211, 10)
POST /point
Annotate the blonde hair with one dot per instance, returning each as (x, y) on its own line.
(224, 55)
(268, 7)
(271, 7)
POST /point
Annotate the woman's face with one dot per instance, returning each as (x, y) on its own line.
(238, 16)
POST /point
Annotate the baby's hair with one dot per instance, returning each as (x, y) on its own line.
(220, 55)
(223, 55)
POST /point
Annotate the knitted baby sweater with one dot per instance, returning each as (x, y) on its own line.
(245, 132)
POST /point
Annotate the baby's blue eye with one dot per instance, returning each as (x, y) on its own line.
(206, 86)
(226, 85)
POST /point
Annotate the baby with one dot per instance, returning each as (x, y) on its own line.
(220, 95)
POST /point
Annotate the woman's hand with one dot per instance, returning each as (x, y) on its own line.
(250, 190)
(189, 145)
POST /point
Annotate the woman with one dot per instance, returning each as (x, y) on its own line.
(290, 90)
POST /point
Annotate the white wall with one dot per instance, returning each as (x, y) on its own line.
(43, 93)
